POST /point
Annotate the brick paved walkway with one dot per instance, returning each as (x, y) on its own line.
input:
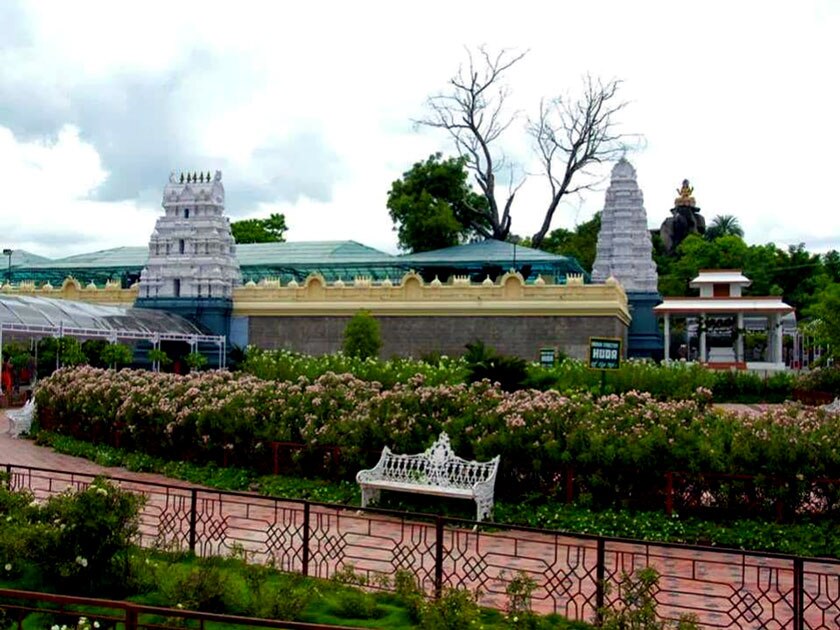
(726, 590)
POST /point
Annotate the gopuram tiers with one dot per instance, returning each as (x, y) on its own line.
(625, 252)
(624, 249)
(191, 250)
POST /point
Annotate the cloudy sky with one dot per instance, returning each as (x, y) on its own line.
(307, 108)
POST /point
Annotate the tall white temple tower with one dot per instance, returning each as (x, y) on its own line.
(625, 252)
(192, 266)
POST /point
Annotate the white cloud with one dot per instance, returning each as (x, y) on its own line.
(45, 198)
(737, 97)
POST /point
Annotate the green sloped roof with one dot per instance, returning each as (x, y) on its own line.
(489, 251)
(23, 258)
(249, 254)
(117, 257)
(310, 253)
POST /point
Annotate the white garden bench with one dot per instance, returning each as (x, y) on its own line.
(438, 471)
(20, 420)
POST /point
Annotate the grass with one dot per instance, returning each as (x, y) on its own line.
(229, 586)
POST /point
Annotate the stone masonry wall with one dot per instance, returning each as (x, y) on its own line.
(415, 336)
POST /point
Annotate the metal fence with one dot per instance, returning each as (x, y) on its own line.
(68, 609)
(575, 574)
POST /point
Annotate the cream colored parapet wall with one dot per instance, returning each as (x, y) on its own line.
(509, 296)
(111, 295)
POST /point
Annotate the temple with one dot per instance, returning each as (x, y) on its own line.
(192, 267)
(300, 296)
(625, 252)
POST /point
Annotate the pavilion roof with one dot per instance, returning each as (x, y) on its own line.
(751, 304)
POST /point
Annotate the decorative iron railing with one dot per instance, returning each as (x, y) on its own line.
(576, 574)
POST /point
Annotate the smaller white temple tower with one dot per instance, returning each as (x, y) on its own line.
(192, 267)
(191, 251)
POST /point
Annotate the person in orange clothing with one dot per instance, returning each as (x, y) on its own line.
(7, 378)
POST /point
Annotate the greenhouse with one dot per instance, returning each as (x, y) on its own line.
(27, 317)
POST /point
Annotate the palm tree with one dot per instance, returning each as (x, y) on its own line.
(724, 225)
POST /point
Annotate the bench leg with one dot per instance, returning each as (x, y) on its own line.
(369, 495)
(484, 508)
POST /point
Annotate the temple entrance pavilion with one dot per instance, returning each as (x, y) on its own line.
(720, 299)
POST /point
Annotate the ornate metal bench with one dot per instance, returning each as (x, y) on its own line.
(437, 471)
(20, 420)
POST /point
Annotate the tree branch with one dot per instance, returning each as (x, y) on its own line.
(572, 135)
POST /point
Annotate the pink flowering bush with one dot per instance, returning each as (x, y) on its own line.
(620, 446)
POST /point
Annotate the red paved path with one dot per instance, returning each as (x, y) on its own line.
(725, 590)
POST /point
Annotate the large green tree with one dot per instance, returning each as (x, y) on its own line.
(579, 243)
(825, 311)
(432, 205)
(270, 230)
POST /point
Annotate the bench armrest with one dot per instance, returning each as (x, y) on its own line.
(374, 473)
(487, 486)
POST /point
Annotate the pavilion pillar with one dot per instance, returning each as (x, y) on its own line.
(667, 340)
(702, 327)
(739, 340)
(778, 339)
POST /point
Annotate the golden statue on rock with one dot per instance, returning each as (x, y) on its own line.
(685, 195)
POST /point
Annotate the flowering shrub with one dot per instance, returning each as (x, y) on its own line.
(284, 365)
(672, 381)
(826, 379)
(78, 541)
(620, 445)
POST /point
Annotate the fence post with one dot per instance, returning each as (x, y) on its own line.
(798, 594)
(305, 554)
(570, 483)
(193, 517)
(130, 618)
(439, 556)
(9, 476)
(600, 586)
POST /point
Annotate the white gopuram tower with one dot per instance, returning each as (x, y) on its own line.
(192, 267)
(192, 253)
(625, 252)
(624, 248)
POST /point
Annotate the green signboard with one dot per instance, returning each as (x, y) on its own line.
(604, 353)
(548, 356)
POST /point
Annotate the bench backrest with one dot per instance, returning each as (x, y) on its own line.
(437, 466)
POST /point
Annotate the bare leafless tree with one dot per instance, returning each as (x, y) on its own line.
(570, 135)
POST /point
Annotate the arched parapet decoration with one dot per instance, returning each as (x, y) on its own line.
(513, 285)
(412, 285)
(314, 286)
(70, 286)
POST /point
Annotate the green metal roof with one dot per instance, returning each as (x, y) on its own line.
(117, 257)
(488, 251)
(332, 259)
(490, 258)
(23, 258)
(310, 252)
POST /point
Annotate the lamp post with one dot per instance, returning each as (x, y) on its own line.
(8, 253)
